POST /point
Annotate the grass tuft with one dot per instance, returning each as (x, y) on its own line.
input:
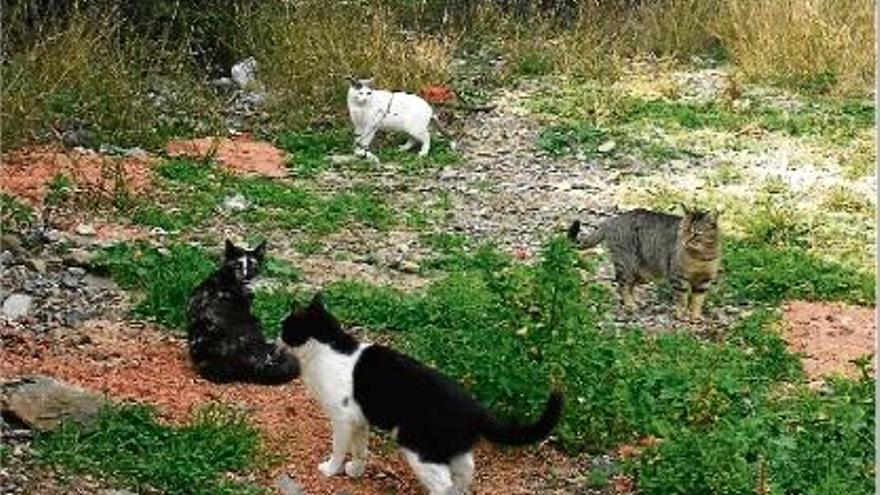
(128, 445)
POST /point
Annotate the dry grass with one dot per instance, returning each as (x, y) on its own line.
(91, 77)
(306, 53)
(95, 74)
(814, 45)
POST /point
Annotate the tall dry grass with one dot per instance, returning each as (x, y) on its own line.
(813, 45)
(104, 84)
(114, 76)
(305, 54)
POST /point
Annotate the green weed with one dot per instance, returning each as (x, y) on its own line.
(310, 149)
(165, 278)
(757, 273)
(192, 191)
(803, 442)
(14, 214)
(128, 445)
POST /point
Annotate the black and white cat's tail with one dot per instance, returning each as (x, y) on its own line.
(590, 240)
(509, 434)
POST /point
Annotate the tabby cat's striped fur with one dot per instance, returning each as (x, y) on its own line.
(646, 245)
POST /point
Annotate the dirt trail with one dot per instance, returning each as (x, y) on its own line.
(143, 363)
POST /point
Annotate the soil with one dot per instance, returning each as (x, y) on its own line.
(240, 154)
(829, 336)
(27, 172)
(124, 360)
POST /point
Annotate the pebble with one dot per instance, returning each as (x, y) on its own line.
(85, 229)
(341, 159)
(287, 486)
(607, 146)
(17, 305)
(78, 257)
(36, 265)
(236, 203)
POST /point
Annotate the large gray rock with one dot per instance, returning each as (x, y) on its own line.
(41, 402)
(17, 305)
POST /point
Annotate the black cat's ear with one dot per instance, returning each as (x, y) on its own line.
(230, 251)
(260, 250)
(351, 80)
(317, 301)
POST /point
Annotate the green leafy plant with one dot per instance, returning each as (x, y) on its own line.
(130, 446)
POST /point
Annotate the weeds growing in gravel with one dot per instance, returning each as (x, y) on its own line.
(192, 192)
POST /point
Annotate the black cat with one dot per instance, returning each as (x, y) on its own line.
(226, 341)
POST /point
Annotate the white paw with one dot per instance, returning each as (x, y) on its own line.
(329, 468)
(423, 154)
(355, 469)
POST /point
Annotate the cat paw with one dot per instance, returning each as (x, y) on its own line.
(355, 469)
(329, 468)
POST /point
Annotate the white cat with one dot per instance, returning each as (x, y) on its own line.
(433, 419)
(372, 110)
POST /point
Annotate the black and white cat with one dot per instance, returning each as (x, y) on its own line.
(225, 339)
(372, 110)
(433, 419)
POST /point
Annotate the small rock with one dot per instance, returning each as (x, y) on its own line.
(78, 257)
(74, 318)
(407, 266)
(12, 244)
(236, 203)
(70, 280)
(341, 159)
(287, 486)
(223, 82)
(448, 174)
(17, 305)
(41, 402)
(85, 229)
(36, 265)
(100, 282)
(77, 271)
(607, 146)
(6, 258)
(244, 72)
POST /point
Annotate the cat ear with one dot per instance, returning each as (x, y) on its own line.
(687, 211)
(230, 251)
(317, 301)
(351, 80)
(367, 82)
(260, 250)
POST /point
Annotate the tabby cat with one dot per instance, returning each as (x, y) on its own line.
(646, 245)
(225, 339)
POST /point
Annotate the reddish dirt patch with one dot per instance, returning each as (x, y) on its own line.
(240, 154)
(27, 172)
(829, 335)
(143, 364)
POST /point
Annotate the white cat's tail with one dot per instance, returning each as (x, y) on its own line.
(509, 434)
(443, 130)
